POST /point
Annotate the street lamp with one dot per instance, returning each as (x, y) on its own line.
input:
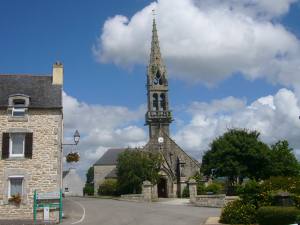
(76, 138)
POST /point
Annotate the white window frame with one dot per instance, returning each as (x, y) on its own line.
(9, 184)
(17, 110)
(11, 145)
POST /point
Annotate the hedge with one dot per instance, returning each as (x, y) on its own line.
(277, 215)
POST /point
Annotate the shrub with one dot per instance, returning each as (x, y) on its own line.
(253, 193)
(214, 188)
(277, 215)
(88, 189)
(237, 212)
(201, 189)
(185, 192)
(108, 187)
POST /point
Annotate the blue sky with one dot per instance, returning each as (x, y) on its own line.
(209, 84)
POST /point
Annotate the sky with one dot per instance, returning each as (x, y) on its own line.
(230, 63)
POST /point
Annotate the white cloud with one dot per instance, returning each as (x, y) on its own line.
(275, 117)
(208, 41)
(101, 127)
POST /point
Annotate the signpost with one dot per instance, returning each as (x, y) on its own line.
(47, 201)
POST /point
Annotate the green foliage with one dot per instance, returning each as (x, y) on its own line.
(277, 215)
(88, 189)
(298, 219)
(289, 184)
(214, 188)
(201, 190)
(253, 192)
(283, 161)
(136, 166)
(108, 187)
(238, 212)
(238, 153)
(198, 177)
(90, 175)
(185, 192)
(89, 185)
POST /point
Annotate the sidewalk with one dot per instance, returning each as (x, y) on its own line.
(212, 221)
(23, 222)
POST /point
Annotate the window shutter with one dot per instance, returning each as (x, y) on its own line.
(28, 145)
(5, 145)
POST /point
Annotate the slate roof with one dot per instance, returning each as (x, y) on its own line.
(110, 157)
(42, 93)
(65, 173)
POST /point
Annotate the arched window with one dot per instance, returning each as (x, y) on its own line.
(162, 101)
(158, 79)
(155, 102)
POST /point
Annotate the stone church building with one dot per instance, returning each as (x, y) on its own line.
(177, 165)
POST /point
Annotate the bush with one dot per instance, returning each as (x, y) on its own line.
(201, 189)
(277, 215)
(237, 212)
(185, 192)
(108, 187)
(214, 188)
(88, 189)
(253, 193)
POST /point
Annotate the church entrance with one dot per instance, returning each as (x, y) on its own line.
(162, 188)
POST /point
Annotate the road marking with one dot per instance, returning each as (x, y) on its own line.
(83, 215)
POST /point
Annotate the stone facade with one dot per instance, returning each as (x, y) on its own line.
(42, 171)
(177, 165)
(100, 172)
(72, 183)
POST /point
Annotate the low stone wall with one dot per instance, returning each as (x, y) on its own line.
(215, 201)
(133, 197)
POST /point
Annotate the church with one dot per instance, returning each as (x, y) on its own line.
(177, 165)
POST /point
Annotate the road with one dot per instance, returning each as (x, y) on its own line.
(93, 211)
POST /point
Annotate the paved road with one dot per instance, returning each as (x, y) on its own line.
(92, 211)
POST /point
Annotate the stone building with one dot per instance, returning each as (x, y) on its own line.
(177, 166)
(105, 167)
(31, 121)
(72, 183)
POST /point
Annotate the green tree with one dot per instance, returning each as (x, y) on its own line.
(237, 154)
(283, 160)
(89, 184)
(134, 167)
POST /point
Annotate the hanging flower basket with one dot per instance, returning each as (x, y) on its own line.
(73, 157)
(15, 199)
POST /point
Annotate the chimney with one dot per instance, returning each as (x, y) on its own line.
(58, 74)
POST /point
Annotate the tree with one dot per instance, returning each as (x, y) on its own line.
(237, 154)
(283, 161)
(89, 184)
(134, 167)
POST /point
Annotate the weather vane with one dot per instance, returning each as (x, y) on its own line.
(153, 13)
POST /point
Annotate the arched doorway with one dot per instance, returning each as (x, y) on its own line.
(162, 188)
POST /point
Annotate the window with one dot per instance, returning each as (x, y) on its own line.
(158, 79)
(66, 189)
(162, 101)
(15, 186)
(16, 145)
(155, 102)
(18, 109)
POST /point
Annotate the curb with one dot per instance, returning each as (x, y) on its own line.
(212, 221)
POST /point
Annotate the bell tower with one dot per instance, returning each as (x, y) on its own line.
(158, 116)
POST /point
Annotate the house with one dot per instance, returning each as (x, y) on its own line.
(177, 165)
(31, 124)
(105, 167)
(72, 183)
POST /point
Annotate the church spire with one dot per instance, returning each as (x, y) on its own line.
(158, 117)
(155, 56)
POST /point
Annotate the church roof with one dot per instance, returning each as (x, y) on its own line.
(110, 156)
(42, 93)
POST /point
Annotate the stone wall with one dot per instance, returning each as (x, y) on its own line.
(43, 171)
(214, 201)
(100, 172)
